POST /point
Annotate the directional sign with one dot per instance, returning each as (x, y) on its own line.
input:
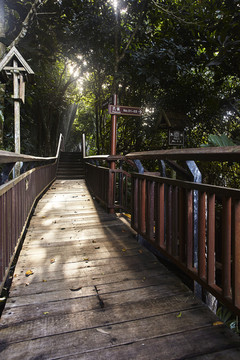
(124, 110)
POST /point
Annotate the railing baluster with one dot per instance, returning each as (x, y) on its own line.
(159, 218)
(201, 235)
(8, 225)
(175, 209)
(111, 189)
(142, 206)
(1, 236)
(169, 220)
(135, 203)
(189, 227)
(150, 210)
(182, 229)
(211, 240)
(226, 243)
(236, 255)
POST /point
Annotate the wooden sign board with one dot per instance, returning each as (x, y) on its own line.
(124, 110)
(175, 137)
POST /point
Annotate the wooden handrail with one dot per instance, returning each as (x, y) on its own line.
(105, 157)
(11, 157)
(225, 153)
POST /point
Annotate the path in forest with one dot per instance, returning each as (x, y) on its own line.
(95, 293)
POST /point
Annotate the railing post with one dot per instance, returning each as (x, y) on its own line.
(226, 247)
(113, 150)
(211, 240)
(16, 97)
(201, 236)
(83, 146)
(160, 230)
(236, 255)
(142, 206)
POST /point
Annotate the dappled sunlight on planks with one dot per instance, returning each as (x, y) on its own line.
(95, 293)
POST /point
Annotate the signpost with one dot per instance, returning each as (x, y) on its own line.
(117, 110)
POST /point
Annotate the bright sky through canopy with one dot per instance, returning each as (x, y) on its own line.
(115, 4)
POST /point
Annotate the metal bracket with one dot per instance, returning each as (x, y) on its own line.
(139, 166)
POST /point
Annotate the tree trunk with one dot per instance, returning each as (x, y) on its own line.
(2, 51)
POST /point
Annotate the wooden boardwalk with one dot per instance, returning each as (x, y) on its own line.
(95, 293)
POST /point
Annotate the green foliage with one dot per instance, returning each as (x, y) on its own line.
(218, 140)
(180, 56)
(228, 318)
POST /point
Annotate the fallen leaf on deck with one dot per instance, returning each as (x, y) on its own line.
(85, 259)
(140, 251)
(77, 289)
(52, 261)
(44, 281)
(216, 323)
(179, 315)
(45, 313)
(29, 272)
(102, 331)
(124, 250)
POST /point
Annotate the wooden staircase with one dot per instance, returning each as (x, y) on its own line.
(71, 166)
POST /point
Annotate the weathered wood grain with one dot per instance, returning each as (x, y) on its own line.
(95, 293)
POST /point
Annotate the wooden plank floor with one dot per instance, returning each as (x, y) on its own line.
(95, 293)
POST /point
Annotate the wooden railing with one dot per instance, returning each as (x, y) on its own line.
(110, 187)
(163, 213)
(17, 198)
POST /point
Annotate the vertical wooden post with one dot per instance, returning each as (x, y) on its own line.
(226, 246)
(113, 150)
(114, 133)
(236, 255)
(16, 115)
(83, 146)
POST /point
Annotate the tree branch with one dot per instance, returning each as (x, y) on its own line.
(26, 22)
(171, 14)
(120, 58)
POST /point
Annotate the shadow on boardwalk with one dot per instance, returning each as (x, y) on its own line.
(95, 293)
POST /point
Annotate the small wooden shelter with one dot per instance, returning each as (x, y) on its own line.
(15, 66)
